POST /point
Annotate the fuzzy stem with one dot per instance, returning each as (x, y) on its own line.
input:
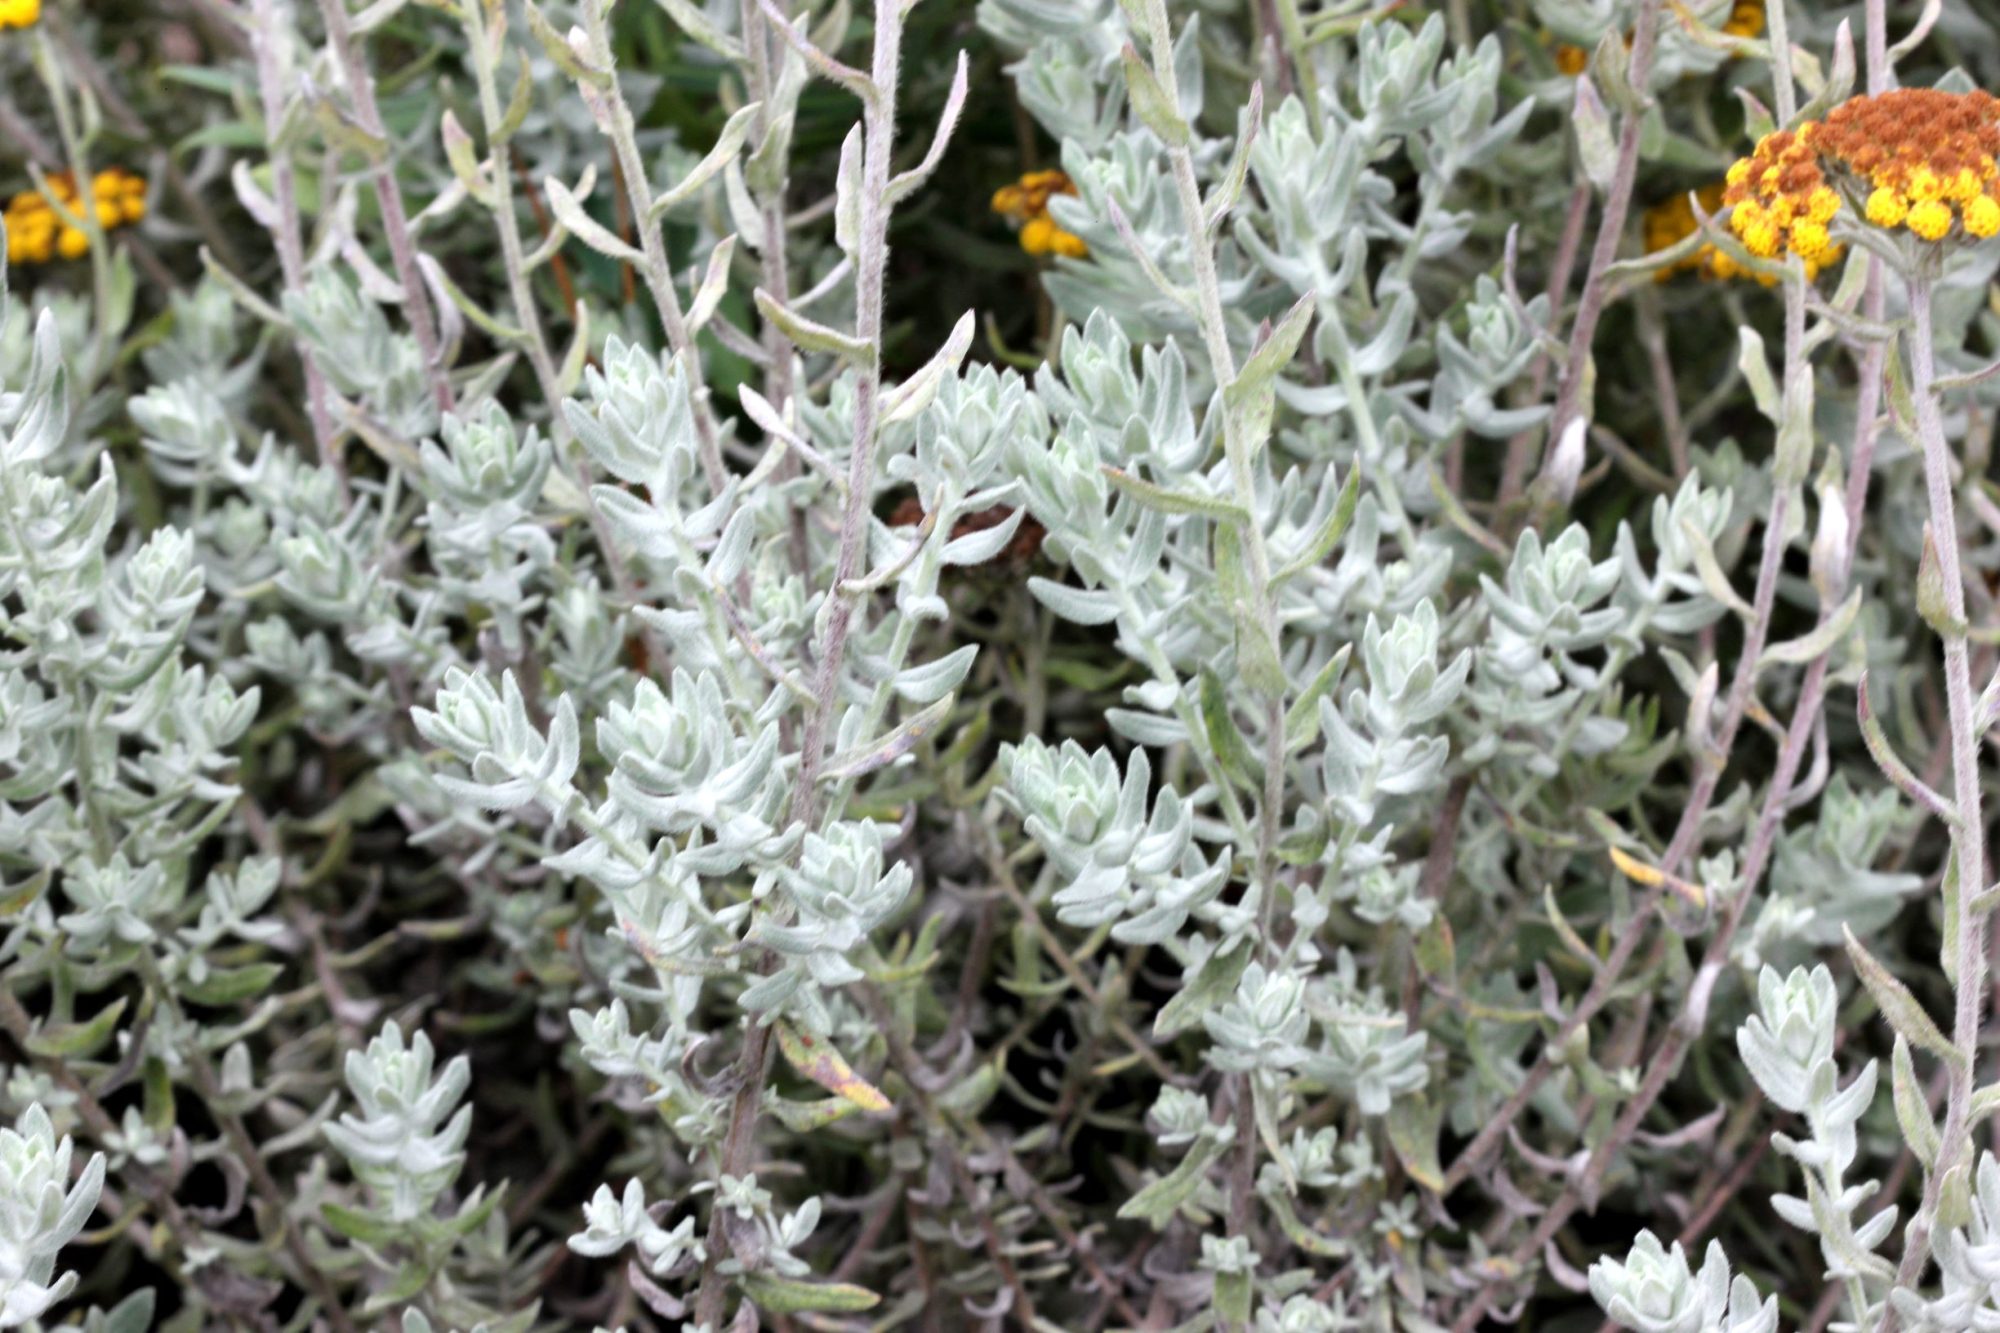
(1968, 830)
(775, 269)
(870, 270)
(485, 52)
(1610, 231)
(264, 30)
(1784, 90)
(658, 272)
(1239, 450)
(388, 196)
(1520, 456)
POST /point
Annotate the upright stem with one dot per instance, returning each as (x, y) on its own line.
(870, 270)
(1236, 446)
(1610, 230)
(1239, 450)
(1786, 97)
(1521, 448)
(637, 182)
(264, 30)
(870, 267)
(1875, 41)
(1271, 31)
(1968, 829)
(389, 196)
(772, 257)
(486, 64)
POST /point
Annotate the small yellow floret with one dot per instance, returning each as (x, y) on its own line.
(71, 243)
(1760, 236)
(1038, 236)
(1810, 240)
(1739, 171)
(1924, 185)
(1930, 219)
(1964, 184)
(1982, 216)
(1887, 207)
(1821, 205)
(1067, 244)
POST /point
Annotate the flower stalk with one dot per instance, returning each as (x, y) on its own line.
(1967, 827)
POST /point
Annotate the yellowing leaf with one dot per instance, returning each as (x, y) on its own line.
(1652, 877)
(815, 1058)
(1636, 871)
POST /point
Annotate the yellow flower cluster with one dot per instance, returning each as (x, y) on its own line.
(36, 233)
(1783, 201)
(1669, 223)
(1918, 158)
(1026, 201)
(1746, 19)
(1920, 153)
(19, 13)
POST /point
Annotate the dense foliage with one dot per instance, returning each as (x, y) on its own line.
(1264, 665)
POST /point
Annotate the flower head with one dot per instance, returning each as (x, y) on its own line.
(1920, 158)
(19, 13)
(1026, 201)
(1783, 200)
(38, 232)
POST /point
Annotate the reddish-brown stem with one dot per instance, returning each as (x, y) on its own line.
(264, 35)
(389, 197)
(1610, 232)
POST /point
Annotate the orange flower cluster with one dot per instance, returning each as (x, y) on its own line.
(1027, 203)
(1917, 157)
(1921, 151)
(1669, 223)
(1783, 201)
(36, 233)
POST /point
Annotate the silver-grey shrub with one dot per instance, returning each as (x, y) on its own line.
(583, 744)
